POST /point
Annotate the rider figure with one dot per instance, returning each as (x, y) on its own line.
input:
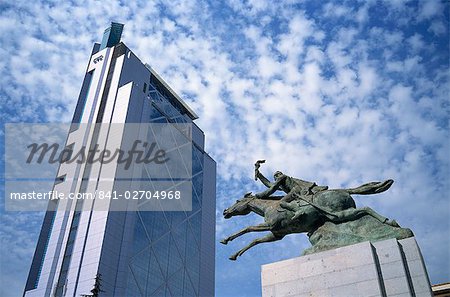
(293, 187)
(297, 189)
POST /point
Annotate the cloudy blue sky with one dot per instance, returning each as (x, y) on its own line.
(337, 92)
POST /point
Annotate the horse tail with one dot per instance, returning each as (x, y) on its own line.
(371, 188)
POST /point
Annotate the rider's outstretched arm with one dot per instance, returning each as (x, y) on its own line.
(272, 189)
(263, 179)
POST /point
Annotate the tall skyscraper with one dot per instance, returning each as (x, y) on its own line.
(126, 253)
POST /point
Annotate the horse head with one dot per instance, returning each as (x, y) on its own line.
(240, 208)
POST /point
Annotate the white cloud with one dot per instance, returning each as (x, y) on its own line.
(416, 42)
(18, 237)
(438, 28)
(429, 8)
(335, 10)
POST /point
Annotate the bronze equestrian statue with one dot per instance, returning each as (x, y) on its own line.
(306, 207)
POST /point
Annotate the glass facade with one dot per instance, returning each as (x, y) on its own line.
(166, 246)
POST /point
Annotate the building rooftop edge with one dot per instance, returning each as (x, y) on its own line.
(190, 112)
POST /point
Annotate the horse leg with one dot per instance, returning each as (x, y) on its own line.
(257, 228)
(355, 213)
(268, 238)
(379, 217)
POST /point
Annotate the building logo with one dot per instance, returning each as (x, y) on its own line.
(98, 59)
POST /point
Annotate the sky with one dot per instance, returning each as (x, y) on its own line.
(336, 92)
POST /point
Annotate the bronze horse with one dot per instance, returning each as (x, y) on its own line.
(336, 206)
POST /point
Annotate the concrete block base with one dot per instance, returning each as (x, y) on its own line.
(384, 268)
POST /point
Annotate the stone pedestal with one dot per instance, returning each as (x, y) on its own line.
(384, 268)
